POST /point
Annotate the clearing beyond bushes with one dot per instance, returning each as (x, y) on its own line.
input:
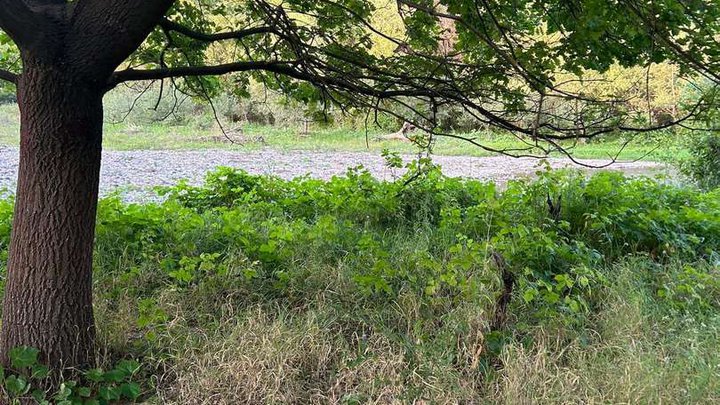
(254, 289)
(136, 172)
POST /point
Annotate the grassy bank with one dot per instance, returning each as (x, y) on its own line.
(258, 290)
(202, 132)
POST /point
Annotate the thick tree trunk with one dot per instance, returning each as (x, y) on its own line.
(48, 292)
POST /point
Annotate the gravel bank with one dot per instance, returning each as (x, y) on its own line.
(136, 171)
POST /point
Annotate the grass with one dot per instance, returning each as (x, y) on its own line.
(258, 290)
(203, 133)
(633, 351)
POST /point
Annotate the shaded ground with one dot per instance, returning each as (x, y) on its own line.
(134, 171)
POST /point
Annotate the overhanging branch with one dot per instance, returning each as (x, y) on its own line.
(194, 71)
(286, 68)
(204, 37)
(8, 76)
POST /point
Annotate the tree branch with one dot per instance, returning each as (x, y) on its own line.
(8, 76)
(104, 33)
(214, 70)
(17, 20)
(204, 37)
(41, 3)
(287, 68)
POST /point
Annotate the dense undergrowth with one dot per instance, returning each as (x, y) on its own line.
(259, 290)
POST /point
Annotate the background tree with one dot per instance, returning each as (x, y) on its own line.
(500, 71)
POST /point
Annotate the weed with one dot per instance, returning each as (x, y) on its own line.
(254, 289)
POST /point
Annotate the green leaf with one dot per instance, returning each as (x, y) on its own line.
(529, 295)
(129, 367)
(39, 396)
(16, 385)
(110, 393)
(95, 375)
(551, 297)
(22, 357)
(573, 304)
(64, 392)
(115, 376)
(584, 281)
(84, 392)
(130, 390)
(39, 372)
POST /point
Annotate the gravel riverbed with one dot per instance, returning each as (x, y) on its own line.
(135, 172)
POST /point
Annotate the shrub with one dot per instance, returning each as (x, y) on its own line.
(358, 289)
(703, 164)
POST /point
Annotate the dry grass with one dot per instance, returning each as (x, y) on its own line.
(630, 351)
(631, 357)
(262, 357)
(256, 360)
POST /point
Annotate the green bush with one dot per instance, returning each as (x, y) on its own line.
(329, 283)
(703, 164)
(555, 257)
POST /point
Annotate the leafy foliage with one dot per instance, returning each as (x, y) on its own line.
(26, 378)
(257, 228)
(703, 164)
(529, 68)
(418, 262)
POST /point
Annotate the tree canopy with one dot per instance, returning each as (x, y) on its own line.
(519, 66)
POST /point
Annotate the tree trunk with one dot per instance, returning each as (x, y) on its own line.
(48, 292)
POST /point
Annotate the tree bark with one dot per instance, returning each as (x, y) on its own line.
(48, 292)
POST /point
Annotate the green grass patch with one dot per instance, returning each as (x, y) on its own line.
(201, 132)
(254, 289)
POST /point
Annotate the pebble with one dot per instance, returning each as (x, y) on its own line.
(135, 173)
